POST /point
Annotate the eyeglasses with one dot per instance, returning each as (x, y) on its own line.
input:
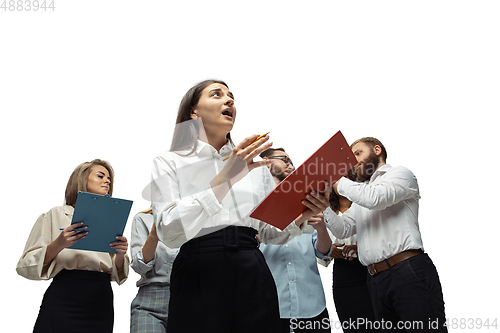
(283, 158)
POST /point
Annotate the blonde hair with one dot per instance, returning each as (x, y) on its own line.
(146, 211)
(79, 178)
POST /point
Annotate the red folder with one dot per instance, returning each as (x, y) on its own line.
(329, 163)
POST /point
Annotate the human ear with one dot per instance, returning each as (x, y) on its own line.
(377, 150)
(193, 114)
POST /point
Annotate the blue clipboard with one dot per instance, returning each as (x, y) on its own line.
(105, 218)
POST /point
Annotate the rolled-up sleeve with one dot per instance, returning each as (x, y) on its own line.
(318, 254)
(140, 233)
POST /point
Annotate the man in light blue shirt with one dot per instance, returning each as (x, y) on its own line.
(293, 265)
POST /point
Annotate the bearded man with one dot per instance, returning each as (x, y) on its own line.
(403, 282)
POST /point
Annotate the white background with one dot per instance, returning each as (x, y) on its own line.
(103, 79)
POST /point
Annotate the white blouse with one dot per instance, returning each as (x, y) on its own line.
(185, 206)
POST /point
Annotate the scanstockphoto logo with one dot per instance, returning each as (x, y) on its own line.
(363, 324)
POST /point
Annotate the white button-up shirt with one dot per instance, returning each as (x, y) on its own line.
(185, 206)
(384, 214)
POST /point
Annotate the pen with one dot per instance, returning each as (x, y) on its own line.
(258, 138)
(75, 229)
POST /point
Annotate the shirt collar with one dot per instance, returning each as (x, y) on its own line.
(205, 149)
(68, 210)
(380, 171)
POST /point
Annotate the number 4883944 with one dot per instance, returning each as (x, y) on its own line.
(27, 5)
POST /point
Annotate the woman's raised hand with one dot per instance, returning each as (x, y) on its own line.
(241, 161)
(243, 154)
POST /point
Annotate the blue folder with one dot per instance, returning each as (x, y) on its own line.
(105, 218)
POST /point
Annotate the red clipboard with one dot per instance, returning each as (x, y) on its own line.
(329, 163)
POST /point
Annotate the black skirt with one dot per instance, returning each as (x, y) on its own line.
(77, 301)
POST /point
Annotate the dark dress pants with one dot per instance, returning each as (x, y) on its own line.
(408, 297)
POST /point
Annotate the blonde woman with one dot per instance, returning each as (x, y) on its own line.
(80, 298)
(152, 260)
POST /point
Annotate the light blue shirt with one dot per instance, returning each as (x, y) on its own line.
(295, 272)
(160, 267)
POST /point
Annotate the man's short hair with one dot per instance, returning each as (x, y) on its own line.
(372, 142)
(270, 151)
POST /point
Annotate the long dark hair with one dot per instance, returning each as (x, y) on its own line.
(334, 198)
(186, 137)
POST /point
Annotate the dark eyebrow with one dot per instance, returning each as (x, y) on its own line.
(230, 94)
(215, 89)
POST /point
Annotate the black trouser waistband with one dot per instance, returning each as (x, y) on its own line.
(231, 238)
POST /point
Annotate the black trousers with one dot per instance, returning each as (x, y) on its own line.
(221, 283)
(351, 296)
(408, 297)
(77, 301)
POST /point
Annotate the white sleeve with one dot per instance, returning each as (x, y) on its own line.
(140, 233)
(179, 218)
(341, 226)
(398, 185)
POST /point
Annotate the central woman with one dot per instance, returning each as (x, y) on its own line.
(203, 191)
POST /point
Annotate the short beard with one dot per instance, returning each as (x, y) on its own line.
(278, 174)
(368, 167)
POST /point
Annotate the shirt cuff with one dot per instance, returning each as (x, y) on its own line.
(324, 262)
(140, 266)
(294, 230)
(120, 276)
(322, 256)
(209, 202)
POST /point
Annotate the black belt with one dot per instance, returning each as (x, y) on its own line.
(231, 238)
